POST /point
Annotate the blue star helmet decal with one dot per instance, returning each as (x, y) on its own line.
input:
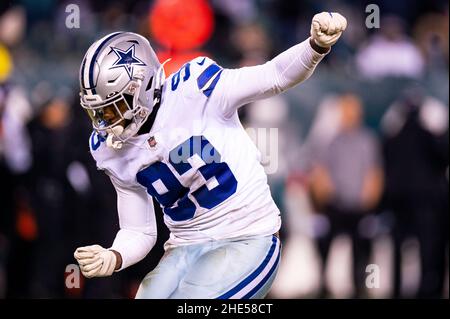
(127, 60)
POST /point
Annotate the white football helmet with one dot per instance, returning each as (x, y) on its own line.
(120, 74)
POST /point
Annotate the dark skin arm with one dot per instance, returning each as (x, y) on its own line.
(118, 259)
(318, 48)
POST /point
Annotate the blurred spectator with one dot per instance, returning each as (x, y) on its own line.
(15, 112)
(15, 160)
(346, 184)
(431, 33)
(253, 44)
(239, 11)
(12, 26)
(66, 204)
(49, 192)
(390, 53)
(416, 155)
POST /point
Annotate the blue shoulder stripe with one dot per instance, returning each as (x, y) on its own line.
(210, 89)
(206, 75)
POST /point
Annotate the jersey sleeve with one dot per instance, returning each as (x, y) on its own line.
(228, 89)
(138, 233)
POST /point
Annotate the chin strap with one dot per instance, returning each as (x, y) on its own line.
(112, 140)
(159, 79)
(147, 126)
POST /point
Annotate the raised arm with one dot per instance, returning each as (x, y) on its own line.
(237, 87)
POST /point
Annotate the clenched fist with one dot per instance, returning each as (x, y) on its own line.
(95, 261)
(327, 27)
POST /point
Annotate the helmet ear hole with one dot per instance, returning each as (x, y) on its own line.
(129, 100)
(149, 85)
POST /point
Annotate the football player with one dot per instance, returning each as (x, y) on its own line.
(180, 141)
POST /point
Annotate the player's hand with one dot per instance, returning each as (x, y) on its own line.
(327, 27)
(95, 261)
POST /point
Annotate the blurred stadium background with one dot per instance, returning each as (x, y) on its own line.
(362, 153)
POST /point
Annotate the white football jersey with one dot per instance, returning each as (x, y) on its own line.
(197, 161)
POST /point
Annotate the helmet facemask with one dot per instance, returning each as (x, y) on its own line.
(120, 115)
(120, 84)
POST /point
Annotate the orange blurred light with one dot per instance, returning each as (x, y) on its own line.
(181, 24)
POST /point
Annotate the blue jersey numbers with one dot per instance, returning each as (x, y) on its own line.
(177, 199)
(95, 140)
(177, 76)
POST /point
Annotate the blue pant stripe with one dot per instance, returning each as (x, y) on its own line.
(253, 275)
(266, 278)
